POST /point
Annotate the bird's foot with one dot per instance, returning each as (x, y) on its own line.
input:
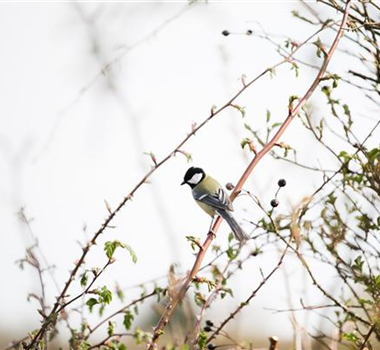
(212, 233)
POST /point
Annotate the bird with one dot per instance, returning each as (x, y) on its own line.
(213, 199)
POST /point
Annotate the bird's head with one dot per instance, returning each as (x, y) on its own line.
(193, 176)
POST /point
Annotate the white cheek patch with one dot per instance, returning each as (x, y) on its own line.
(195, 179)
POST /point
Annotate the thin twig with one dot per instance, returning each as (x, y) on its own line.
(124, 308)
(368, 335)
(251, 296)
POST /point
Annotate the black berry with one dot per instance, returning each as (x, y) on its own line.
(225, 32)
(274, 203)
(211, 346)
(249, 32)
(207, 329)
(209, 323)
(281, 182)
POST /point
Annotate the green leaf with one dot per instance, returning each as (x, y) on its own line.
(202, 340)
(335, 82)
(240, 109)
(188, 156)
(199, 298)
(91, 303)
(109, 248)
(131, 252)
(159, 291)
(141, 336)
(84, 279)
(128, 318)
(293, 98)
(377, 280)
(320, 48)
(296, 69)
(352, 337)
(231, 253)
(272, 72)
(82, 345)
(225, 291)
(195, 242)
(119, 293)
(365, 302)
(346, 110)
(275, 125)
(216, 248)
(101, 309)
(326, 90)
(246, 141)
(373, 154)
(136, 309)
(210, 285)
(105, 295)
(84, 327)
(268, 115)
(358, 264)
(111, 329)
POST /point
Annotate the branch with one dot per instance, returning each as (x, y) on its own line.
(58, 304)
(273, 343)
(104, 341)
(124, 308)
(368, 335)
(159, 329)
(112, 215)
(87, 290)
(109, 219)
(251, 296)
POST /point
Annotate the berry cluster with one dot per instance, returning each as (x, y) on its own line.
(274, 202)
(208, 328)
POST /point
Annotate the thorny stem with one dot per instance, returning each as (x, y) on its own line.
(17, 344)
(223, 276)
(247, 301)
(87, 290)
(368, 335)
(324, 292)
(124, 308)
(104, 341)
(158, 331)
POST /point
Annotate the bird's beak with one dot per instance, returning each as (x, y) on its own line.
(183, 183)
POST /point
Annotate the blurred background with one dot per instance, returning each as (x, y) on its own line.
(88, 90)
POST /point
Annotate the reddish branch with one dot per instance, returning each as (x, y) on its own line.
(159, 329)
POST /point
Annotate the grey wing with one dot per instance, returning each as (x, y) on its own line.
(218, 200)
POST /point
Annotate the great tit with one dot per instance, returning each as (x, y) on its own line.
(213, 199)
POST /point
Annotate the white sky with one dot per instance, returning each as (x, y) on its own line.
(66, 144)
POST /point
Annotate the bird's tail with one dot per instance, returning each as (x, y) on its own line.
(239, 233)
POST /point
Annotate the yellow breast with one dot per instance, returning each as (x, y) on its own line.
(209, 210)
